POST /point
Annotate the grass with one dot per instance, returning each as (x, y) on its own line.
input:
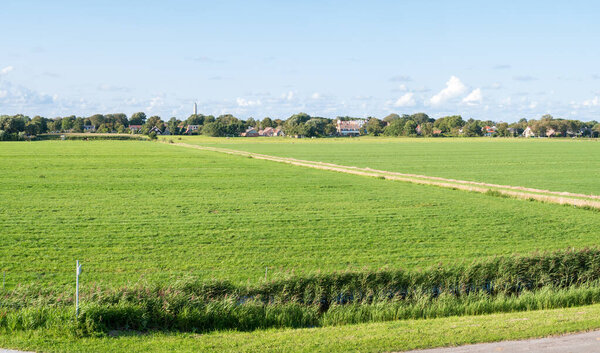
(544, 281)
(374, 337)
(141, 210)
(142, 214)
(554, 164)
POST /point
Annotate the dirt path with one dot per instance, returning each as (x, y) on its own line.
(587, 342)
(559, 197)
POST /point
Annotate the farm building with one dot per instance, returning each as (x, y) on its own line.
(551, 132)
(156, 130)
(250, 132)
(89, 128)
(192, 129)
(350, 127)
(270, 132)
(489, 130)
(135, 128)
(528, 132)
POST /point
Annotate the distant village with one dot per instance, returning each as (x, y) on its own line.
(301, 125)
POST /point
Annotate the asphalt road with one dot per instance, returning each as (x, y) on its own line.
(587, 342)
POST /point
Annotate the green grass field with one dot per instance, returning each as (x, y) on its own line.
(554, 164)
(137, 211)
(141, 210)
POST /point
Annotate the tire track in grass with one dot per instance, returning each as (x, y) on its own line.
(519, 192)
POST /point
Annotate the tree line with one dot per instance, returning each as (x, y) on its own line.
(18, 127)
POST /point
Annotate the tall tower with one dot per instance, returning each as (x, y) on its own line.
(195, 108)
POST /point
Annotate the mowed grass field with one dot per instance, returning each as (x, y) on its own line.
(133, 210)
(554, 164)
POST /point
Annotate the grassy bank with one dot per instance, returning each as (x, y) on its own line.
(520, 283)
(374, 337)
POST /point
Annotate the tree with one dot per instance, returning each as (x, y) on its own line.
(55, 125)
(173, 126)
(13, 124)
(473, 128)
(421, 118)
(315, 127)
(138, 118)
(67, 123)
(118, 118)
(41, 124)
(31, 128)
(596, 130)
(374, 126)
(391, 117)
(155, 121)
(213, 129)
(449, 123)
(78, 125)
(502, 129)
(97, 120)
(395, 128)
(252, 123)
(195, 119)
(410, 128)
(294, 125)
(427, 129)
(267, 122)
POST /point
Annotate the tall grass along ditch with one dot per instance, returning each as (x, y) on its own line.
(539, 281)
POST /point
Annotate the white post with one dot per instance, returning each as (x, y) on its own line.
(77, 273)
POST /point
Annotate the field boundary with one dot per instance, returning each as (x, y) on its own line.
(519, 192)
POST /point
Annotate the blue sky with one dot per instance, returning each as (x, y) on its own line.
(500, 60)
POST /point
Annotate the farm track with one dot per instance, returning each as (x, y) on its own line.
(519, 192)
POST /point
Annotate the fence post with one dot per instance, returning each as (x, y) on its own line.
(77, 273)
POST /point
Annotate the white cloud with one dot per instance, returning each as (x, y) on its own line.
(592, 102)
(288, 96)
(407, 100)
(454, 88)
(474, 97)
(155, 102)
(247, 103)
(533, 105)
(316, 95)
(6, 70)
(3, 94)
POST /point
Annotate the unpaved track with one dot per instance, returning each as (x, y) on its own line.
(587, 342)
(559, 197)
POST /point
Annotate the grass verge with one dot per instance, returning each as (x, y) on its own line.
(377, 337)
